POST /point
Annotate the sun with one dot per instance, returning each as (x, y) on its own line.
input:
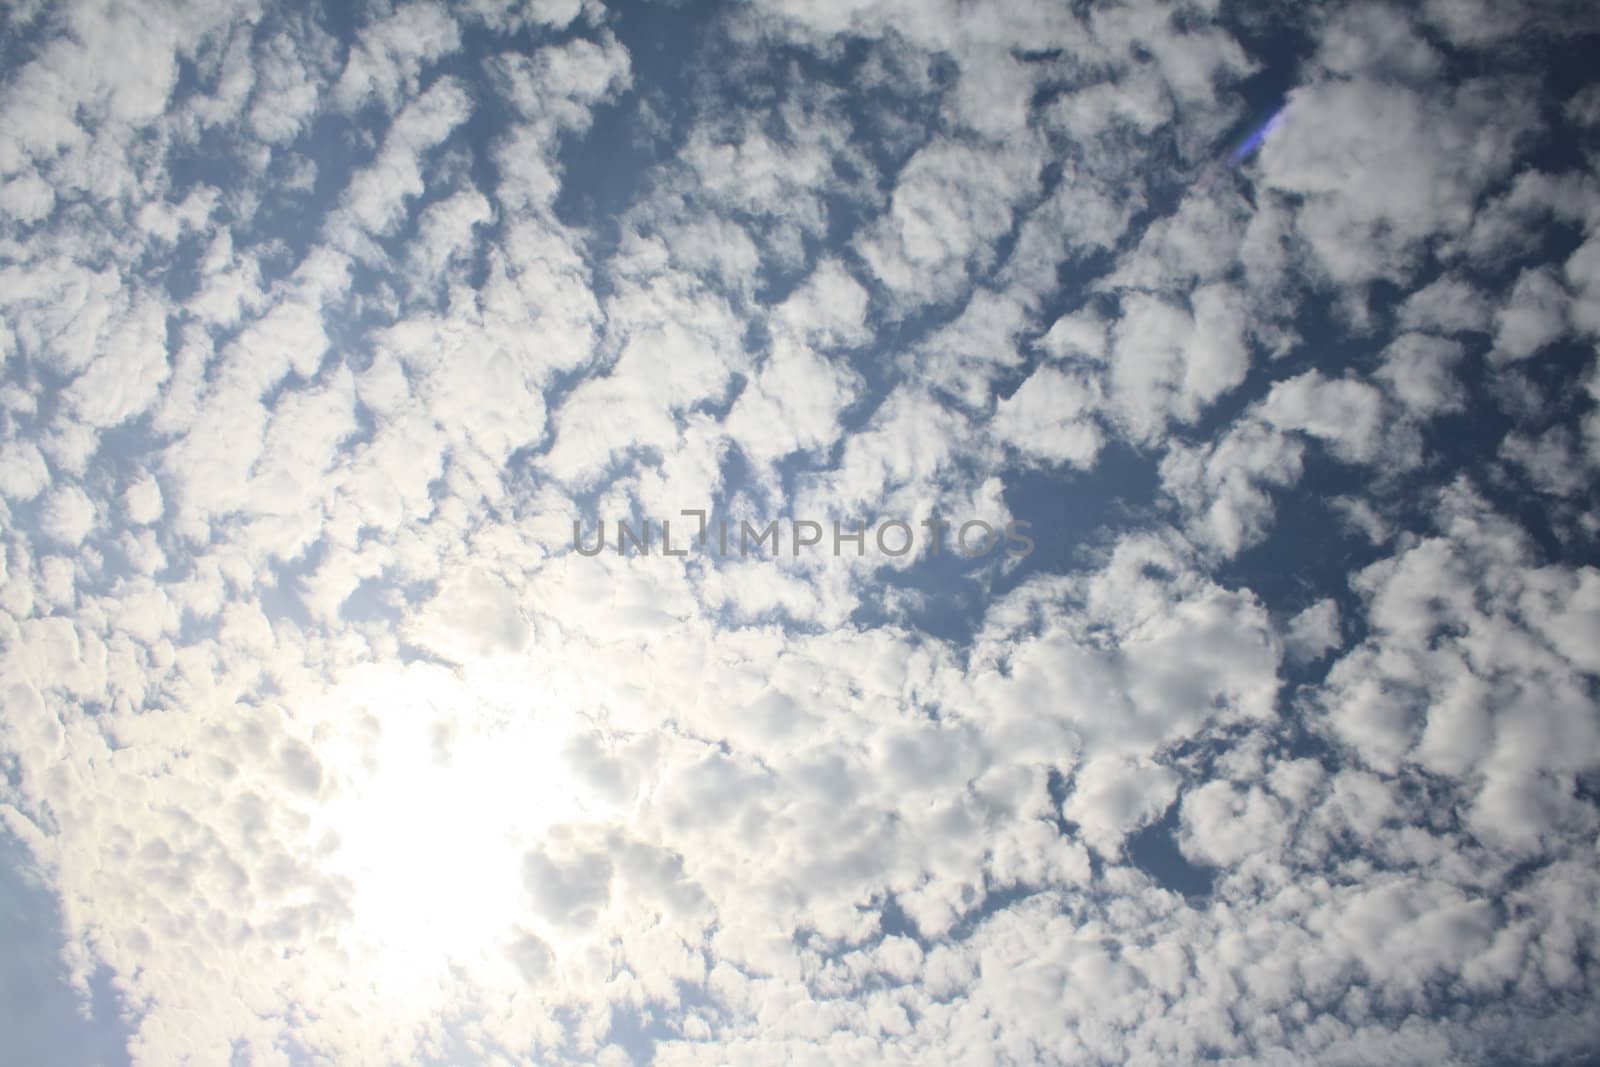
(446, 781)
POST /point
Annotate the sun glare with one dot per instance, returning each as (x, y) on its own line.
(435, 812)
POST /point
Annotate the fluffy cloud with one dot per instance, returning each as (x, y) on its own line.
(950, 204)
(1383, 165)
(1051, 416)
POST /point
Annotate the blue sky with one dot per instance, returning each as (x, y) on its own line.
(1273, 326)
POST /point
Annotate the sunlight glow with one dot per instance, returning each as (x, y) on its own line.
(435, 813)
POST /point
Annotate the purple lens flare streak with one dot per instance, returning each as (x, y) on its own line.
(1255, 140)
(1240, 152)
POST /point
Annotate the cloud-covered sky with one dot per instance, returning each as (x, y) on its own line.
(1262, 336)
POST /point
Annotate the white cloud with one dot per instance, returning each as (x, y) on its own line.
(1421, 370)
(391, 52)
(127, 375)
(1170, 362)
(1420, 688)
(1314, 631)
(23, 474)
(1224, 824)
(474, 615)
(377, 195)
(950, 202)
(829, 308)
(1225, 489)
(67, 516)
(506, 15)
(1447, 305)
(1382, 167)
(793, 402)
(1345, 413)
(141, 501)
(27, 197)
(1112, 798)
(1051, 417)
(1533, 316)
(963, 357)
(289, 85)
(1553, 460)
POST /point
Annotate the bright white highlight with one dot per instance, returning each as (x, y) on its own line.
(455, 779)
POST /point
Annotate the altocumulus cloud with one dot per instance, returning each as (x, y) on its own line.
(321, 328)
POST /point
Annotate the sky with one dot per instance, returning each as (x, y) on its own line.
(1156, 446)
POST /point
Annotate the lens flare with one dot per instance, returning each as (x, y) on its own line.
(1257, 137)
